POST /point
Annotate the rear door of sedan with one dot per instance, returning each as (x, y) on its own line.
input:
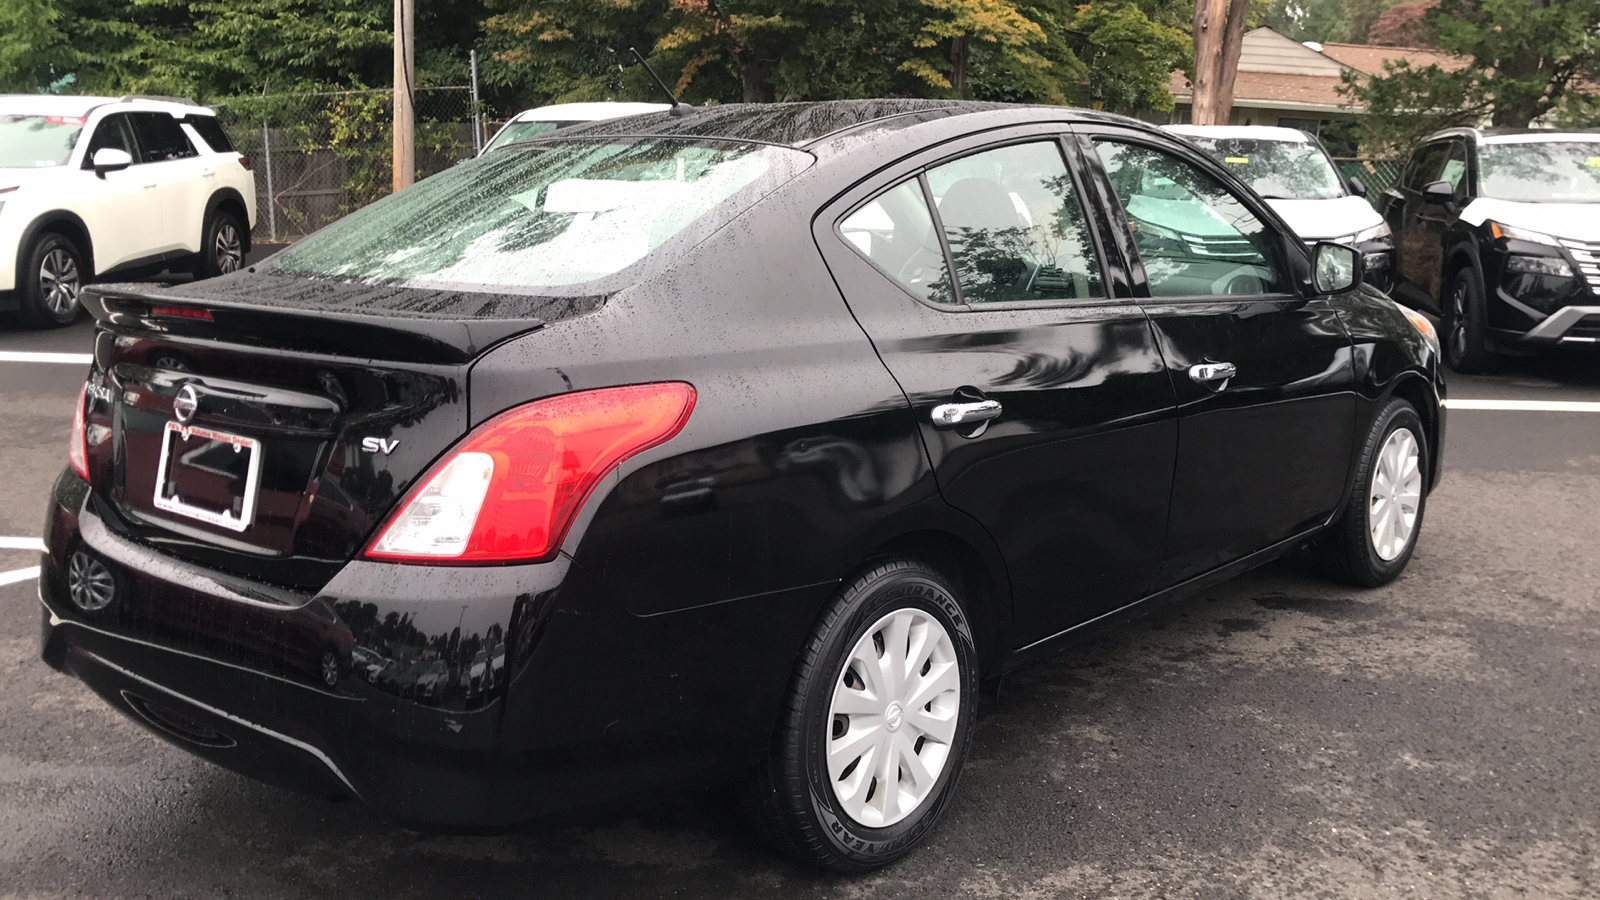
(1264, 376)
(1035, 376)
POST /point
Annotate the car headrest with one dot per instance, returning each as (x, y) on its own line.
(979, 203)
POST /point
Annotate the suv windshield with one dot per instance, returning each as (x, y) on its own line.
(1541, 171)
(29, 141)
(1277, 170)
(554, 215)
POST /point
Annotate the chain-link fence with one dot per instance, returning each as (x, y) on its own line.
(1377, 174)
(318, 157)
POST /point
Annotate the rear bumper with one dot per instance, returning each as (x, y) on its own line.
(585, 704)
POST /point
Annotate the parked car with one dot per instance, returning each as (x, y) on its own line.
(1498, 234)
(522, 357)
(1293, 172)
(532, 123)
(99, 187)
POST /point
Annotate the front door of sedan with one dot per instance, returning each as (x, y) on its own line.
(1265, 379)
(1041, 395)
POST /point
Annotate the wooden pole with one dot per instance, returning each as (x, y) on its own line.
(1228, 60)
(405, 145)
(1210, 21)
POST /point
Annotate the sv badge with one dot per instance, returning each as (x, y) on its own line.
(379, 445)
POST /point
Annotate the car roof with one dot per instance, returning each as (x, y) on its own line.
(1516, 135)
(76, 105)
(586, 112)
(1256, 132)
(806, 124)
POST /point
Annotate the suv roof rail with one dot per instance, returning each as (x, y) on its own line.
(160, 98)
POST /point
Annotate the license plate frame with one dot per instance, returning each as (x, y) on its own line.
(176, 505)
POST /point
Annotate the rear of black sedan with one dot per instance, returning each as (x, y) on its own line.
(569, 474)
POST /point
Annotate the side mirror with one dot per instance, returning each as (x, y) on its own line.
(1335, 268)
(110, 159)
(1357, 186)
(1439, 193)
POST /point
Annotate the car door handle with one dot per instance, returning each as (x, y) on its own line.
(209, 173)
(1208, 373)
(149, 187)
(946, 415)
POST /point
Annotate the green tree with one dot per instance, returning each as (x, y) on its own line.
(1527, 59)
(34, 51)
(1129, 57)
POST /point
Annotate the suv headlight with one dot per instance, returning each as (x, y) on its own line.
(1520, 234)
(1539, 265)
(1380, 230)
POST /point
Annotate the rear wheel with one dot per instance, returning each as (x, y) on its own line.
(876, 723)
(53, 273)
(1377, 532)
(222, 245)
(1466, 346)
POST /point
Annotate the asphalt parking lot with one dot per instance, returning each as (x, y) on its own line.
(1273, 738)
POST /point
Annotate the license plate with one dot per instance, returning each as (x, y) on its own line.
(208, 475)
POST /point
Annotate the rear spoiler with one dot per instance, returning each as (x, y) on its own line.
(131, 309)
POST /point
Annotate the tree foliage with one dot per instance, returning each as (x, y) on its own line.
(1528, 59)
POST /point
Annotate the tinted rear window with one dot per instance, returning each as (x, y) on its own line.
(211, 132)
(160, 138)
(560, 217)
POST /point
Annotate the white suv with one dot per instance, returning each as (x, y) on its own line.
(92, 187)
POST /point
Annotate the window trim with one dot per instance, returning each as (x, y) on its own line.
(1141, 287)
(882, 181)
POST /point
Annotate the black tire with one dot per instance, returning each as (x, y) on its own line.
(53, 272)
(222, 245)
(1466, 345)
(790, 796)
(1347, 553)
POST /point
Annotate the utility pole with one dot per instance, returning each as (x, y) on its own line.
(405, 58)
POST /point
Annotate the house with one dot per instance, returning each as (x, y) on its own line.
(1294, 85)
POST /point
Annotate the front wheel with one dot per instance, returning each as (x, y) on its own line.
(221, 246)
(1377, 531)
(1466, 346)
(53, 272)
(876, 723)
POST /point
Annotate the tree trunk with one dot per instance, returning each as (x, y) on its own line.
(1210, 21)
(1228, 62)
(960, 56)
(754, 78)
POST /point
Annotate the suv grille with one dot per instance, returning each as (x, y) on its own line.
(1587, 255)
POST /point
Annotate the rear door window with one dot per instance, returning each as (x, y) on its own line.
(160, 138)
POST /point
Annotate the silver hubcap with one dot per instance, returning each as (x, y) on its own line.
(229, 249)
(59, 281)
(90, 583)
(893, 717)
(1396, 495)
(1458, 321)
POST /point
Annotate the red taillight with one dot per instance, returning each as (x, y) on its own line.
(181, 312)
(511, 489)
(77, 446)
(244, 161)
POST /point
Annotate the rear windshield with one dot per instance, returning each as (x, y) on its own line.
(1277, 170)
(522, 131)
(558, 217)
(29, 141)
(1541, 171)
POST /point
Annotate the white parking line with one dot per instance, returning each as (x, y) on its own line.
(26, 356)
(1525, 405)
(21, 543)
(17, 575)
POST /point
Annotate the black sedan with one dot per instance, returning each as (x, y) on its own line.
(735, 445)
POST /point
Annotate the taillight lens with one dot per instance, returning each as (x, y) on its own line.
(245, 161)
(77, 446)
(510, 490)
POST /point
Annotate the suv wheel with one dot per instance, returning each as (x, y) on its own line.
(1465, 345)
(222, 245)
(1377, 531)
(53, 273)
(876, 723)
